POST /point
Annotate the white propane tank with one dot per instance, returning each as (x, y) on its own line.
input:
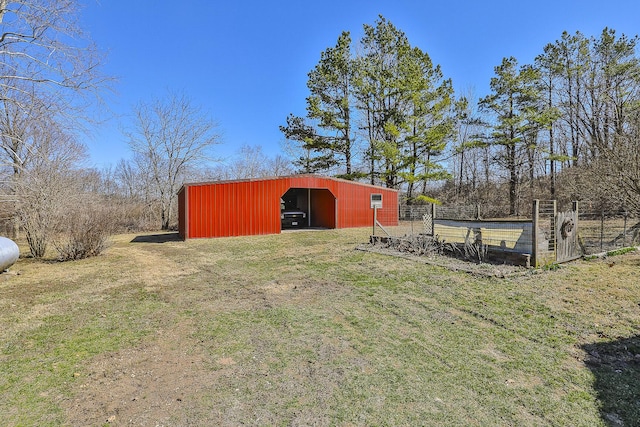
(9, 253)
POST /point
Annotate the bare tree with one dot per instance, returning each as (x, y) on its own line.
(252, 162)
(280, 166)
(248, 162)
(141, 210)
(22, 115)
(618, 167)
(169, 137)
(126, 177)
(47, 185)
(42, 42)
(46, 63)
(47, 66)
(20, 112)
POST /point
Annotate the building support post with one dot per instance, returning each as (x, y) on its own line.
(308, 207)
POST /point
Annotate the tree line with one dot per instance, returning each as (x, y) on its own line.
(563, 127)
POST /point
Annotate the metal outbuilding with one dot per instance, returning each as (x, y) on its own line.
(253, 206)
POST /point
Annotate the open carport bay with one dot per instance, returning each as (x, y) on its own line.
(318, 205)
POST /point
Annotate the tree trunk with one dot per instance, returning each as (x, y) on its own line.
(513, 180)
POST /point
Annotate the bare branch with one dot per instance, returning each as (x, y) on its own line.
(170, 136)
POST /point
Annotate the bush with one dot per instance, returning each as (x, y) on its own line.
(85, 232)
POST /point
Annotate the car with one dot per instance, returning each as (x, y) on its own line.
(291, 218)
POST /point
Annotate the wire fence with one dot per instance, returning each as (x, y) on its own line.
(602, 230)
(460, 231)
(456, 224)
(598, 230)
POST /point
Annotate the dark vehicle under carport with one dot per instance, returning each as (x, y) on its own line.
(292, 214)
(293, 218)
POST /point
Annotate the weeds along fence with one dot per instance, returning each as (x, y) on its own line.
(461, 229)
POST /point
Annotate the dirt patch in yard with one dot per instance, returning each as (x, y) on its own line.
(191, 371)
(157, 383)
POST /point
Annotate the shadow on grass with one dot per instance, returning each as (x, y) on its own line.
(616, 368)
(157, 238)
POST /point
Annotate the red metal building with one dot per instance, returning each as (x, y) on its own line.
(249, 207)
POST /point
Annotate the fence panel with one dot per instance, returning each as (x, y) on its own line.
(413, 220)
(509, 236)
(430, 220)
(606, 230)
(460, 229)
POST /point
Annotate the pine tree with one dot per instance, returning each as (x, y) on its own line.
(330, 84)
(515, 103)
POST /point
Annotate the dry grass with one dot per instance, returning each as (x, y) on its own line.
(301, 329)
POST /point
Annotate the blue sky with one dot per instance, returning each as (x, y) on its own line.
(246, 62)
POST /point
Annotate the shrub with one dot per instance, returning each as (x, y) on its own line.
(85, 232)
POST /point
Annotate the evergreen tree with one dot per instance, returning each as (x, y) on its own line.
(316, 157)
(326, 133)
(330, 84)
(428, 121)
(397, 97)
(515, 103)
(406, 104)
(380, 96)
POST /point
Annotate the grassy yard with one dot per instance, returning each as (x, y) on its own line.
(301, 329)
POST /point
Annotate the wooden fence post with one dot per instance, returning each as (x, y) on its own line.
(575, 226)
(433, 219)
(534, 233)
(624, 232)
(601, 228)
(411, 217)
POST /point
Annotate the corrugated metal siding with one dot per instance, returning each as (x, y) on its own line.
(238, 208)
(323, 211)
